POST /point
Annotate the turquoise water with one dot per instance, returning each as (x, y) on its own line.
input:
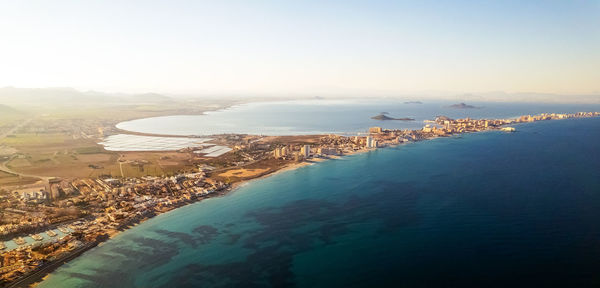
(11, 245)
(331, 116)
(487, 209)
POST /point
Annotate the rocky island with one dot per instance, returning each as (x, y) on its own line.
(462, 106)
(383, 117)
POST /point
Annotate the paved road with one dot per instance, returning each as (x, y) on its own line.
(3, 168)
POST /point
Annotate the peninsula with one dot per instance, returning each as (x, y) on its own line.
(49, 225)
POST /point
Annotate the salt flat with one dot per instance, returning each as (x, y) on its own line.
(124, 142)
(214, 151)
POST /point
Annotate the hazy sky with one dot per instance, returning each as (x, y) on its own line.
(302, 46)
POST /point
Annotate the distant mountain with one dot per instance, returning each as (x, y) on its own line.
(383, 117)
(500, 96)
(462, 106)
(4, 110)
(7, 112)
(413, 102)
(53, 97)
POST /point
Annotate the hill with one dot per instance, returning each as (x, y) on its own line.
(53, 97)
(4, 110)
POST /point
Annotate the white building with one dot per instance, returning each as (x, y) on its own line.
(305, 151)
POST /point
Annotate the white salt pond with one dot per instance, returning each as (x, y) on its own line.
(214, 151)
(124, 142)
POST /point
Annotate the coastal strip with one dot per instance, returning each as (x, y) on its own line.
(113, 205)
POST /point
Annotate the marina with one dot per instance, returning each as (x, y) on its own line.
(36, 239)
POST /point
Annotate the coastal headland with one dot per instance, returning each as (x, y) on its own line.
(74, 211)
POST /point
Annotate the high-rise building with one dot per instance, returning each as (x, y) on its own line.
(298, 157)
(305, 151)
(281, 152)
(369, 141)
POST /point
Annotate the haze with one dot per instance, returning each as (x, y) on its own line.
(302, 47)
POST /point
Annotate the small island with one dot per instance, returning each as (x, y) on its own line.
(413, 102)
(383, 117)
(462, 106)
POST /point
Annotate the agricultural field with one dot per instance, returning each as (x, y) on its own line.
(60, 156)
(7, 179)
(65, 144)
(138, 164)
(57, 155)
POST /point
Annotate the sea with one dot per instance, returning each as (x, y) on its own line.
(488, 209)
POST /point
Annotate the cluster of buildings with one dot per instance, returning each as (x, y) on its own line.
(296, 152)
(18, 262)
(440, 127)
(92, 209)
(552, 116)
(446, 126)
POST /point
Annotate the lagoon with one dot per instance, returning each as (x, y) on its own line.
(345, 117)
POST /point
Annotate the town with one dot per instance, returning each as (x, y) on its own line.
(69, 215)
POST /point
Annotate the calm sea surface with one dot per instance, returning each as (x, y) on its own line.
(487, 209)
(329, 116)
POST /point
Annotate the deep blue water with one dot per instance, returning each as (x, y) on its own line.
(489, 209)
(331, 116)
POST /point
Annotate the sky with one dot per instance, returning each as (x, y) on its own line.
(302, 47)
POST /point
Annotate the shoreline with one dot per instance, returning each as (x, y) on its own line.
(40, 274)
(232, 105)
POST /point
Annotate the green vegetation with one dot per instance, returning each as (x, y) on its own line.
(90, 150)
(34, 139)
